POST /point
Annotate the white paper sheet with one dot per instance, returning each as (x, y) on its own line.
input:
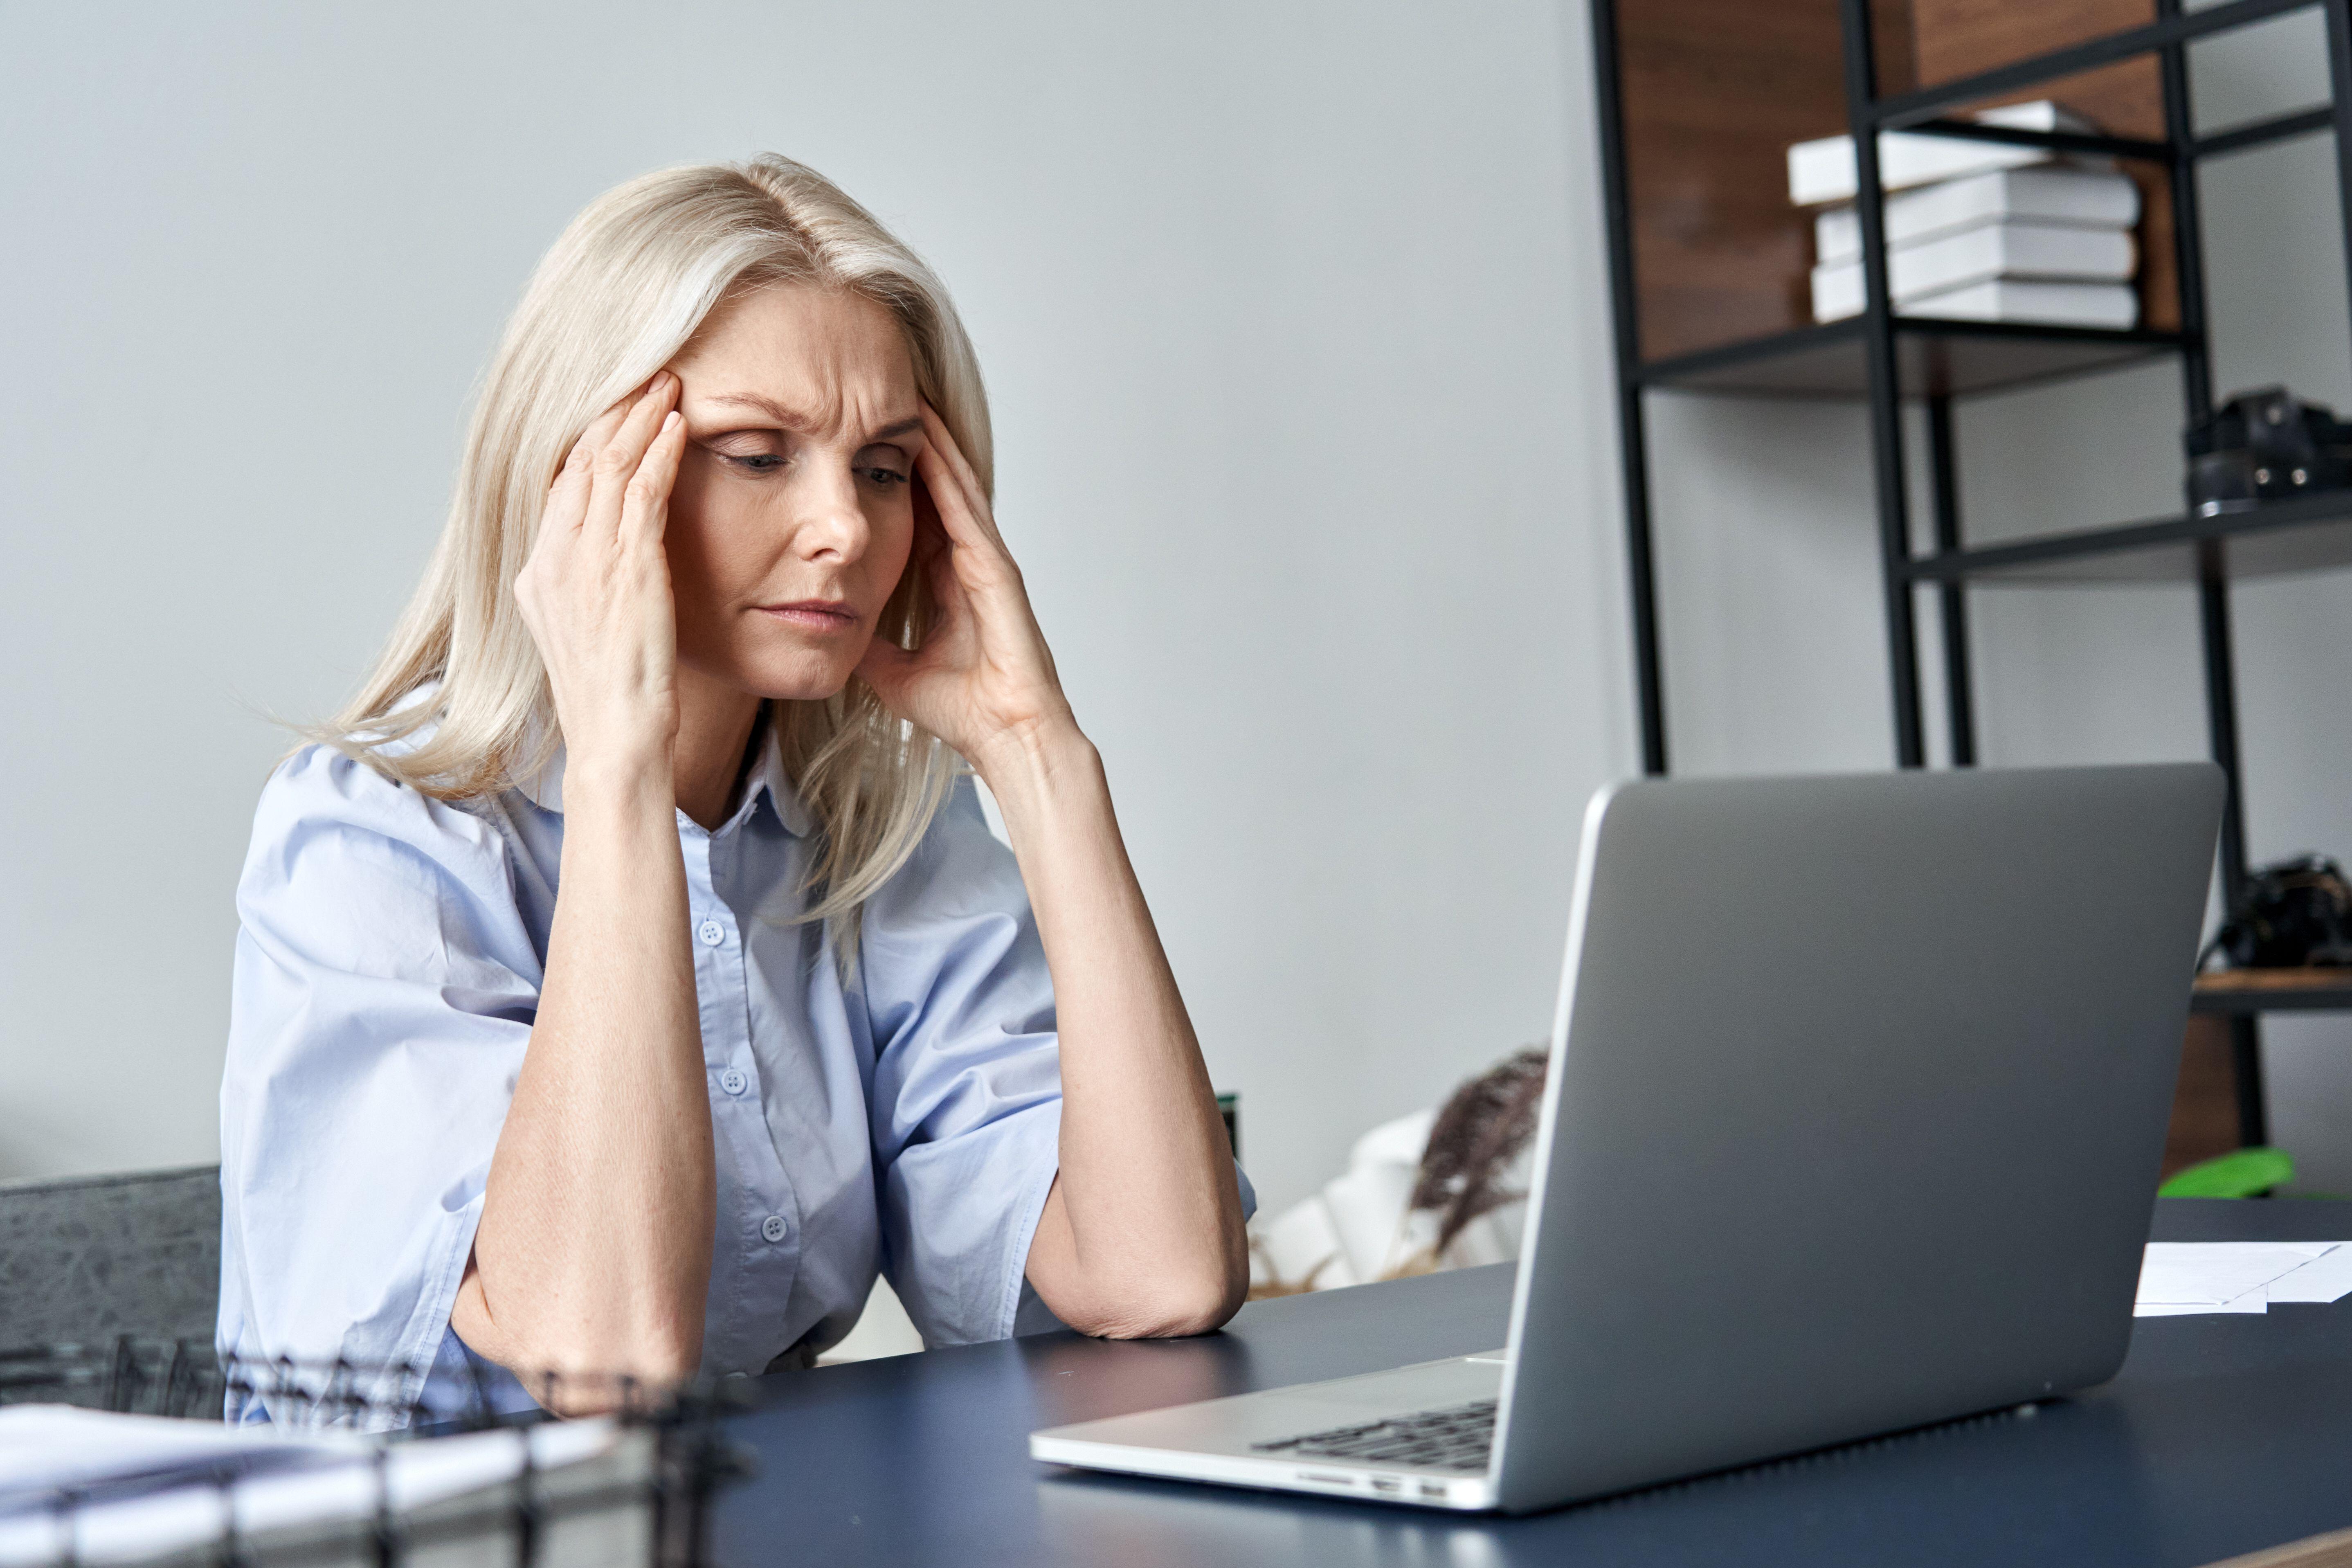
(2324, 1278)
(44, 1446)
(2180, 1278)
(2251, 1302)
(2210, 1273)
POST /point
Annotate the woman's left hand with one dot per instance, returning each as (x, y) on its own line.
(983, 680)
(1141, 1231)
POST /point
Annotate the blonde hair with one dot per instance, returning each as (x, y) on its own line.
(620, 292)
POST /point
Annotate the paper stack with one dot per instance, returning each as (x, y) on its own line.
(1978, 231)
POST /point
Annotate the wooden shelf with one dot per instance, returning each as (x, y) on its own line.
(2306, 533)
(2238, 991)
(1931, 357)
(1715, 92)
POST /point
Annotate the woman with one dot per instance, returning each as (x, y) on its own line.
(628, 973)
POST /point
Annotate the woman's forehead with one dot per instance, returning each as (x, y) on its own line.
(820, 354)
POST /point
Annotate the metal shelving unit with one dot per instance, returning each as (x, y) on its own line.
(1887, 359)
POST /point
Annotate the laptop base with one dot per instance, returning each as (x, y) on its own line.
(1235, 1441)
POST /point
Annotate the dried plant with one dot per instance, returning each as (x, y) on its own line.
(1475, 1136)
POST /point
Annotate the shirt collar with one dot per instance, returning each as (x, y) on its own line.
(545, 788)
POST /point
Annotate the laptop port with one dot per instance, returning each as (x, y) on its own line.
(1434, 1488)
(1322, 1479)
(1387, 1484)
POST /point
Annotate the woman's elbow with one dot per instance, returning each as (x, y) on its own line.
(592, 1376)
(581, 1369)
(1202, 1309)
(1168, 1308)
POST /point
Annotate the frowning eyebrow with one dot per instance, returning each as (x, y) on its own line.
(792, 419)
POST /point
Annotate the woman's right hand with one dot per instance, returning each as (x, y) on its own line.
(593, 1252)
(596, 593)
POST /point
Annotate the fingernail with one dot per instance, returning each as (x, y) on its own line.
(669, 421)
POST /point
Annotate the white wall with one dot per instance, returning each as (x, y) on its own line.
(1294, 325)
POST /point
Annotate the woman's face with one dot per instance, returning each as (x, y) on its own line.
(793, 512)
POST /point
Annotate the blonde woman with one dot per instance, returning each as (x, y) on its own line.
(629, 974)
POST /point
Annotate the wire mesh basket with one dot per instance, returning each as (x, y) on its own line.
(128, 1462)
(155, 1377)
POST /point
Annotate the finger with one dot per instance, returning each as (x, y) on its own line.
(567, 497)
(567, 493)
(957, 520)
(974, 558)
(617, 460)
(600, 430)
(645, 510)
(932, 540)
(949, 603)
(942, 441)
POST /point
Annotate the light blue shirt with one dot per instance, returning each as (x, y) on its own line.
(388, 969)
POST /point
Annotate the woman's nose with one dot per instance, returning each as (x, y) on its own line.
(831, 526)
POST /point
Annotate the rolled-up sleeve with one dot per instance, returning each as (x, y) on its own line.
(384, 988)
(966, 1108)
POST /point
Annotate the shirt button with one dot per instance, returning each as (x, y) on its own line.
(733, 1081)
(772, 1227)
(711, 932)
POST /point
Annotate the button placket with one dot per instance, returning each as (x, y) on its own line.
(762, 1213)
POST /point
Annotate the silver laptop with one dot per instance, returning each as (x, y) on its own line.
(1858, 1092)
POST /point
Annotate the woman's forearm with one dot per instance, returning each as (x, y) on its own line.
(594, 1252)
(1142, 1233)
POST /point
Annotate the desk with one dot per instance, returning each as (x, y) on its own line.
(2221, 1435)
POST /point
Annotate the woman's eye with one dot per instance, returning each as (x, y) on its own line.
(885, 478)
(756, 462)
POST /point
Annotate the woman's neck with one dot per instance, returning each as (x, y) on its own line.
(714, 729)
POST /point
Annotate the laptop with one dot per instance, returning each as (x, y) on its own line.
(1857, 1096)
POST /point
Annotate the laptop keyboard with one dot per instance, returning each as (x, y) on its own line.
(1458, 1437)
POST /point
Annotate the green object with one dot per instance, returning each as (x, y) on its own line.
(2247, 1173)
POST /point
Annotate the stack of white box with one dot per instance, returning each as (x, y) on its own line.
(1980, 231)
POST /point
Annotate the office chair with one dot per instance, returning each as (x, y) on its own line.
(87, 1259)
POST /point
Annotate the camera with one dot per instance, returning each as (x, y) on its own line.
(2264, 446)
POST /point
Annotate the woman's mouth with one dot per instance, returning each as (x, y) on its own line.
(821, 616)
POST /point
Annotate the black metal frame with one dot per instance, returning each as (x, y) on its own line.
(1632, 430)
(1951, 566)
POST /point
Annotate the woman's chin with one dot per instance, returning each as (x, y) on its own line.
(805, 679)
(784, 668)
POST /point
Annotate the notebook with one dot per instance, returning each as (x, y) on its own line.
(2052, 193)
(2007, 251)
(2037, 300)
(1822, 171)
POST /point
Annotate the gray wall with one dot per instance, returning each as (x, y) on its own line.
(1295, 325)
(1293, 318)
